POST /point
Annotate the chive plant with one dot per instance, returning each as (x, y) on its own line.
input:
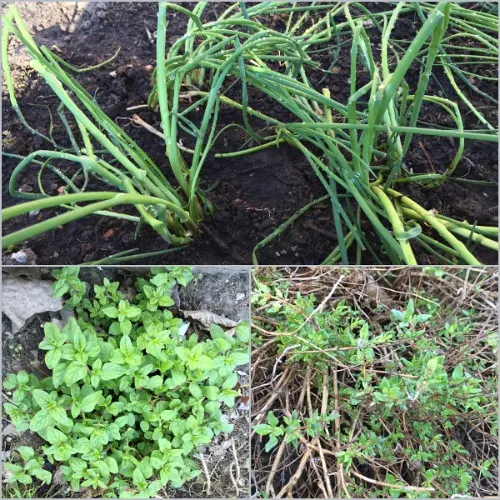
(356, 149)
(130, 175)
(343, 143)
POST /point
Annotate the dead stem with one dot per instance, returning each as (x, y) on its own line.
(207, 475)
(390, 485)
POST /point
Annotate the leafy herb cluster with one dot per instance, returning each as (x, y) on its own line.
(130, 397)
(412, 388)
(293, 427)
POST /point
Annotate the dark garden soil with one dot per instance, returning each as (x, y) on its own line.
(252, 194)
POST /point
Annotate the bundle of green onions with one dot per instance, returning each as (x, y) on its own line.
(132, 177)
(356, 149)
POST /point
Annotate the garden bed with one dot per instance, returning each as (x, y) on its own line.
(252, 194)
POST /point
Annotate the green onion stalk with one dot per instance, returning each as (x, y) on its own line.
(129, 174)
(357, 149)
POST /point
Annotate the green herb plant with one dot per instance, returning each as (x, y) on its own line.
(381, 397)
(356, 149)
(30, 467)
(130, 398)
(291, 429)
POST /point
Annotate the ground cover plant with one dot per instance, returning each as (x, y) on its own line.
(132, 396)
(375, 383)
(357, 150)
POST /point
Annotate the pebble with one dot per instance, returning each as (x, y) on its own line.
(240, 296)
(265, 224)
(25, 256)
(85, 25)
(20, 257)
(26, 188)
(37, 141)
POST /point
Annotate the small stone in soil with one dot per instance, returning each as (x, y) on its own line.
(19, 257)
(26, 256)
(265, 224)
(26, 188)
(37, 141)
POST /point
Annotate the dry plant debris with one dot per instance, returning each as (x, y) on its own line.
(372, 383)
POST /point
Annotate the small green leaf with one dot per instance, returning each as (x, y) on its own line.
(55, 436)
(52, 358)
(110, 312)
(89, 402)
(112, 465)
(71, 329)
(211, 392)
(40, 421)
(126, 326)
(263, 429)
(43, 475)
(241, 357)
(111, 371)
(243, 332)
(10, 382)
(397, 315)
(138, 478)
(24, 479)
(273, 441)
(217, 332)
(178, 377)
(26, 452)
(42, 398)
(58, 374)
(23, 378)
(195, 390)
(458, 373)
(271, 418)
(433, 364)
(410, 234)
(154, 383)
(75, 371)
(230, 382)
(75, 409)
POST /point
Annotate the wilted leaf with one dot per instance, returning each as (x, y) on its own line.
(207, 318)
